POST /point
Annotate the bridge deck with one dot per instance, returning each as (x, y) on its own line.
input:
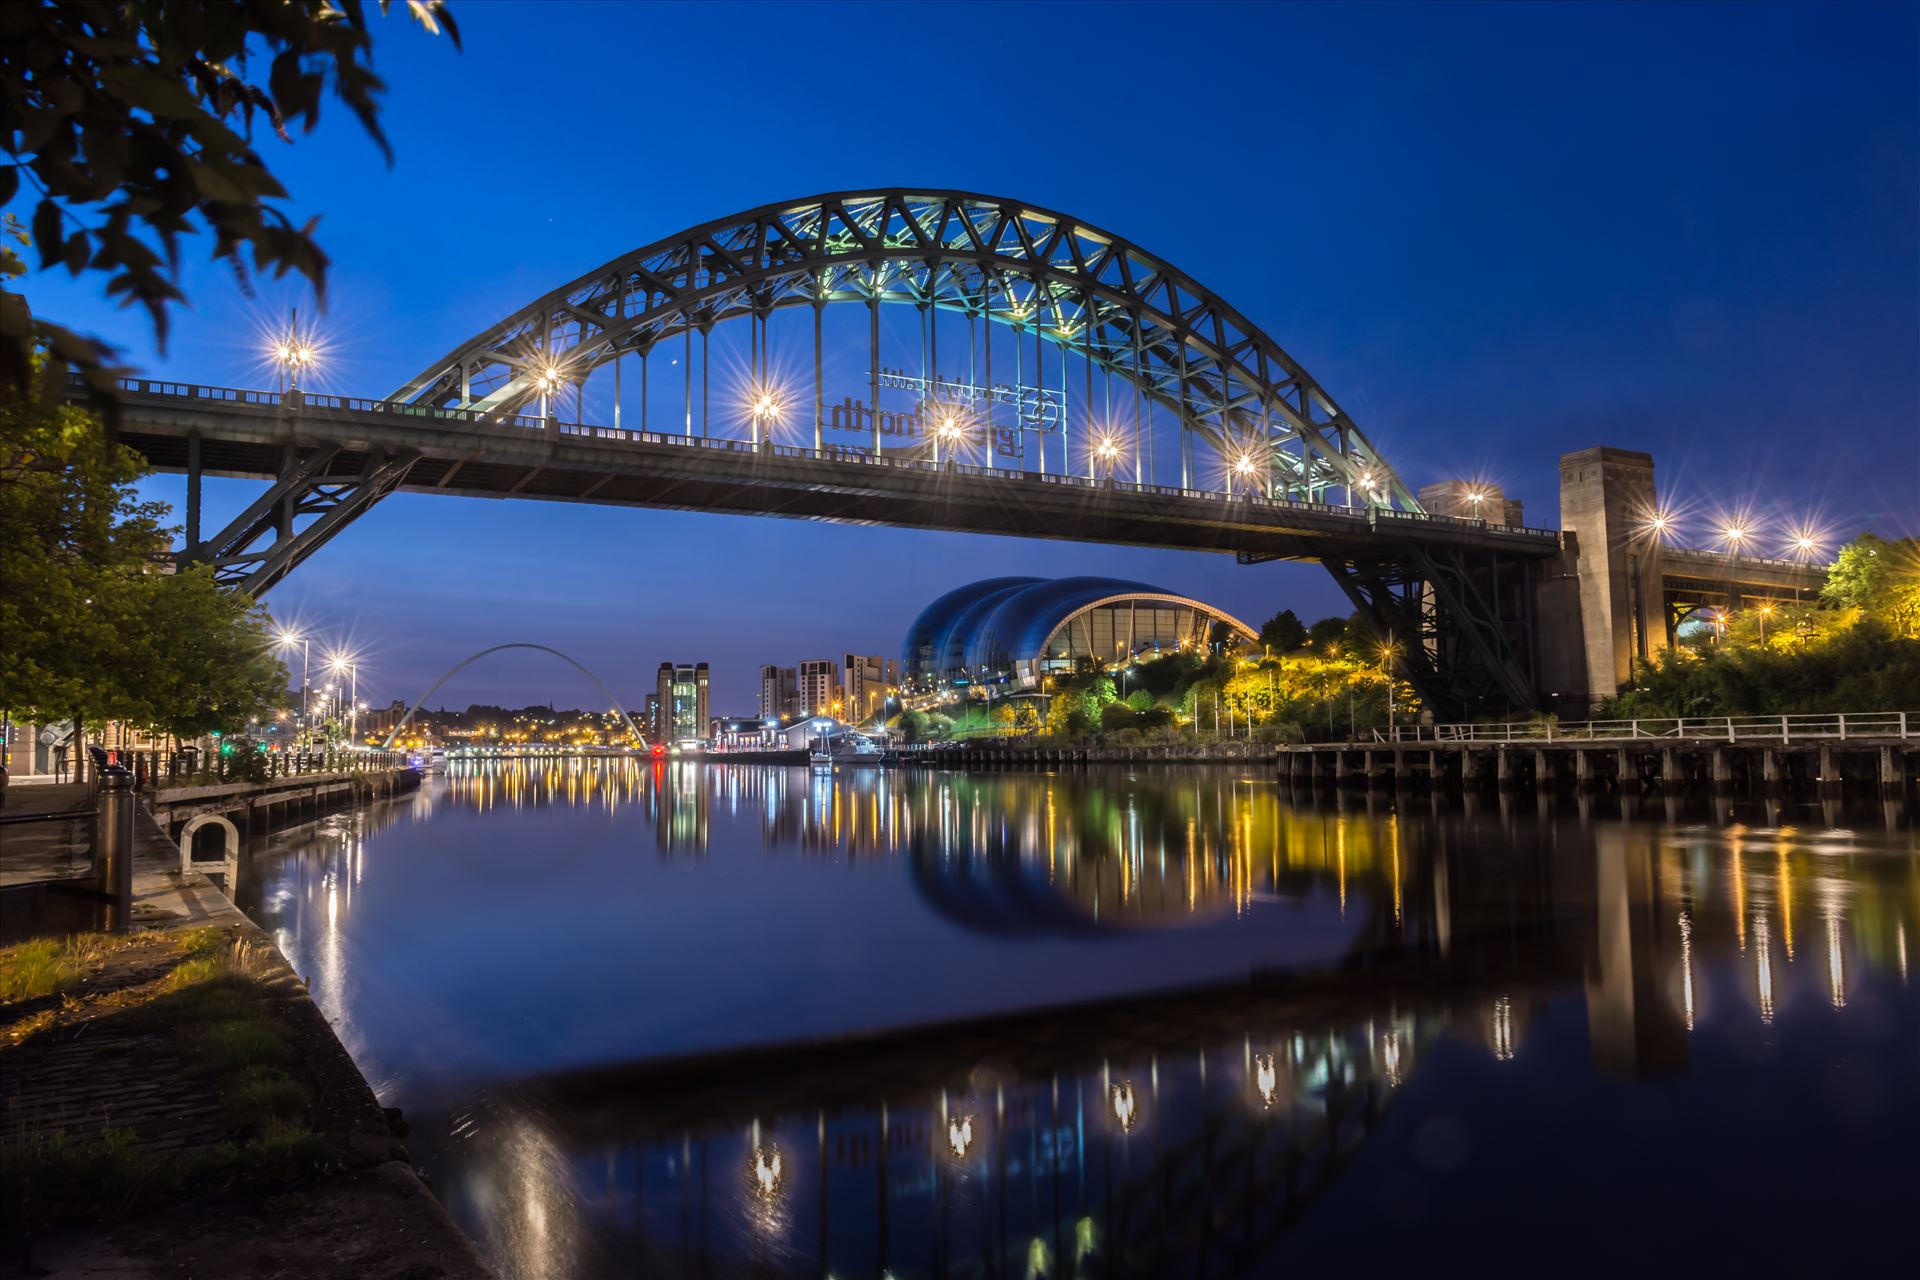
(251, 434)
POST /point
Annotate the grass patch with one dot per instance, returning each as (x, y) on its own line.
(61, 1178)
(195, 988)
(236, 1045)
(30, 970)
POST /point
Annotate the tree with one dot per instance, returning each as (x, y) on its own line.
(93, 629)
(74, 539)
(1284, 632)
(133, 123)
(1881, 579)
(1328, 631)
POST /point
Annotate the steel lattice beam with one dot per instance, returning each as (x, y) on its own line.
(1083, 289)
(303, 508)
(1463, 636)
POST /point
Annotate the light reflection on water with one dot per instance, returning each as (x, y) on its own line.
(1383, 1011)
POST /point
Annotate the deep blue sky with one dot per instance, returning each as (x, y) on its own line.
(1495, 234)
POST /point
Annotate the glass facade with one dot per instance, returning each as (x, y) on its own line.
(1013, 631)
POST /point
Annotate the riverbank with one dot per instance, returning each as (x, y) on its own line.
(177, 1104)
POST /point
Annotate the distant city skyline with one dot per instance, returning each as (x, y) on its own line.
(1716, 266)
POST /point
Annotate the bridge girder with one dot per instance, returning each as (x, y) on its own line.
(1037, 271)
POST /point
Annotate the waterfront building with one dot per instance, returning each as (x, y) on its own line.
(819, 686)
(1008, 634)
(779, 692)
(650, 718)
(866, 682)
(682, 714)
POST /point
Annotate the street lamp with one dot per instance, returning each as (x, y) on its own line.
(350, 664)
(1106, 450)
(1765, 611)
(292, 354)
(766, 412)
(1243, 466)
(288, 637)
(949, 431)
(548, 377)
(1388, 652)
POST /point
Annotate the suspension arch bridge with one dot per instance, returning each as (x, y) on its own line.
(1038, 376)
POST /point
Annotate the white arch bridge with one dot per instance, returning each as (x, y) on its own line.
(1035, 376)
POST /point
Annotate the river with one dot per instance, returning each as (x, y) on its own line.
(652, 1019)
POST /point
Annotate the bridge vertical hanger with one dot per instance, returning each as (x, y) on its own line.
(819, 381)
(873, 357)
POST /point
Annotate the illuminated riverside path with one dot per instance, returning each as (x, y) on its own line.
(685, 1019)
(1032, 375)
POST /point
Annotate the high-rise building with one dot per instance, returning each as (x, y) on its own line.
(865, 685)
(779, 693)
(819, 686)
(682, 691)
(650, 721)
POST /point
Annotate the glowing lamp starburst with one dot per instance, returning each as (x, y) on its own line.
(1126, 1110)
(960, 1136)
(1266, 1078)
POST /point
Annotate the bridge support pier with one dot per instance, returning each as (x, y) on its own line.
(1542, 771)
(1829, 776)
(1583, 778)
(1671, 773)
(1625, 768)
(1504, 768)
(1722, 770)
(1770, 769)
(1893, 771)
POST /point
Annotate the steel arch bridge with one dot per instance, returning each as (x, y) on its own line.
(1040, 273)
(1301, 481)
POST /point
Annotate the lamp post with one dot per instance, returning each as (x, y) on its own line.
(350, 664)
(289, 638)
(1107, 452)
(292, 353)
(1388, 652)
(766, 412)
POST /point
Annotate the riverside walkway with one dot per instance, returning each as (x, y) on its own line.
(110, 1060)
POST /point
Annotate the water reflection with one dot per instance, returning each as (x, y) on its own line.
(1191, 1094)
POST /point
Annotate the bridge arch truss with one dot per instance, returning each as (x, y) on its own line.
(1049, 277)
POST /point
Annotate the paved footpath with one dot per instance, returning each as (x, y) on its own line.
(372, 1217)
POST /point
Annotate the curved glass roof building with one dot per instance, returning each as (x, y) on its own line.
(1013, 631)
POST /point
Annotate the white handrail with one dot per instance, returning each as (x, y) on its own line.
(1843, 727)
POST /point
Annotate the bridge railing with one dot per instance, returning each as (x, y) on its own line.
(305, 401)
(1729, 558)
(1852, 725)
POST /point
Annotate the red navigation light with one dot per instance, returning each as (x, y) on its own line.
(659, 750)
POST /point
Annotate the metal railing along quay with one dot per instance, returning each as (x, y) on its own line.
(153, 768)
(1875, 726)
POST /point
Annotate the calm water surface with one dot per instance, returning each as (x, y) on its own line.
(725, 1021)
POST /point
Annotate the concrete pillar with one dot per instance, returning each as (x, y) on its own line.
(1625, 770)
(1829, 776)
(1542, 770)
(1619, 615)
(1770, 768)
(1670, 771)
(1434, 778)
(1582, 769)
(1504, 767)
(1892, 770)
(1722, 769)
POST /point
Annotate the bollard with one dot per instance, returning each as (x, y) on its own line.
(113, 845)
